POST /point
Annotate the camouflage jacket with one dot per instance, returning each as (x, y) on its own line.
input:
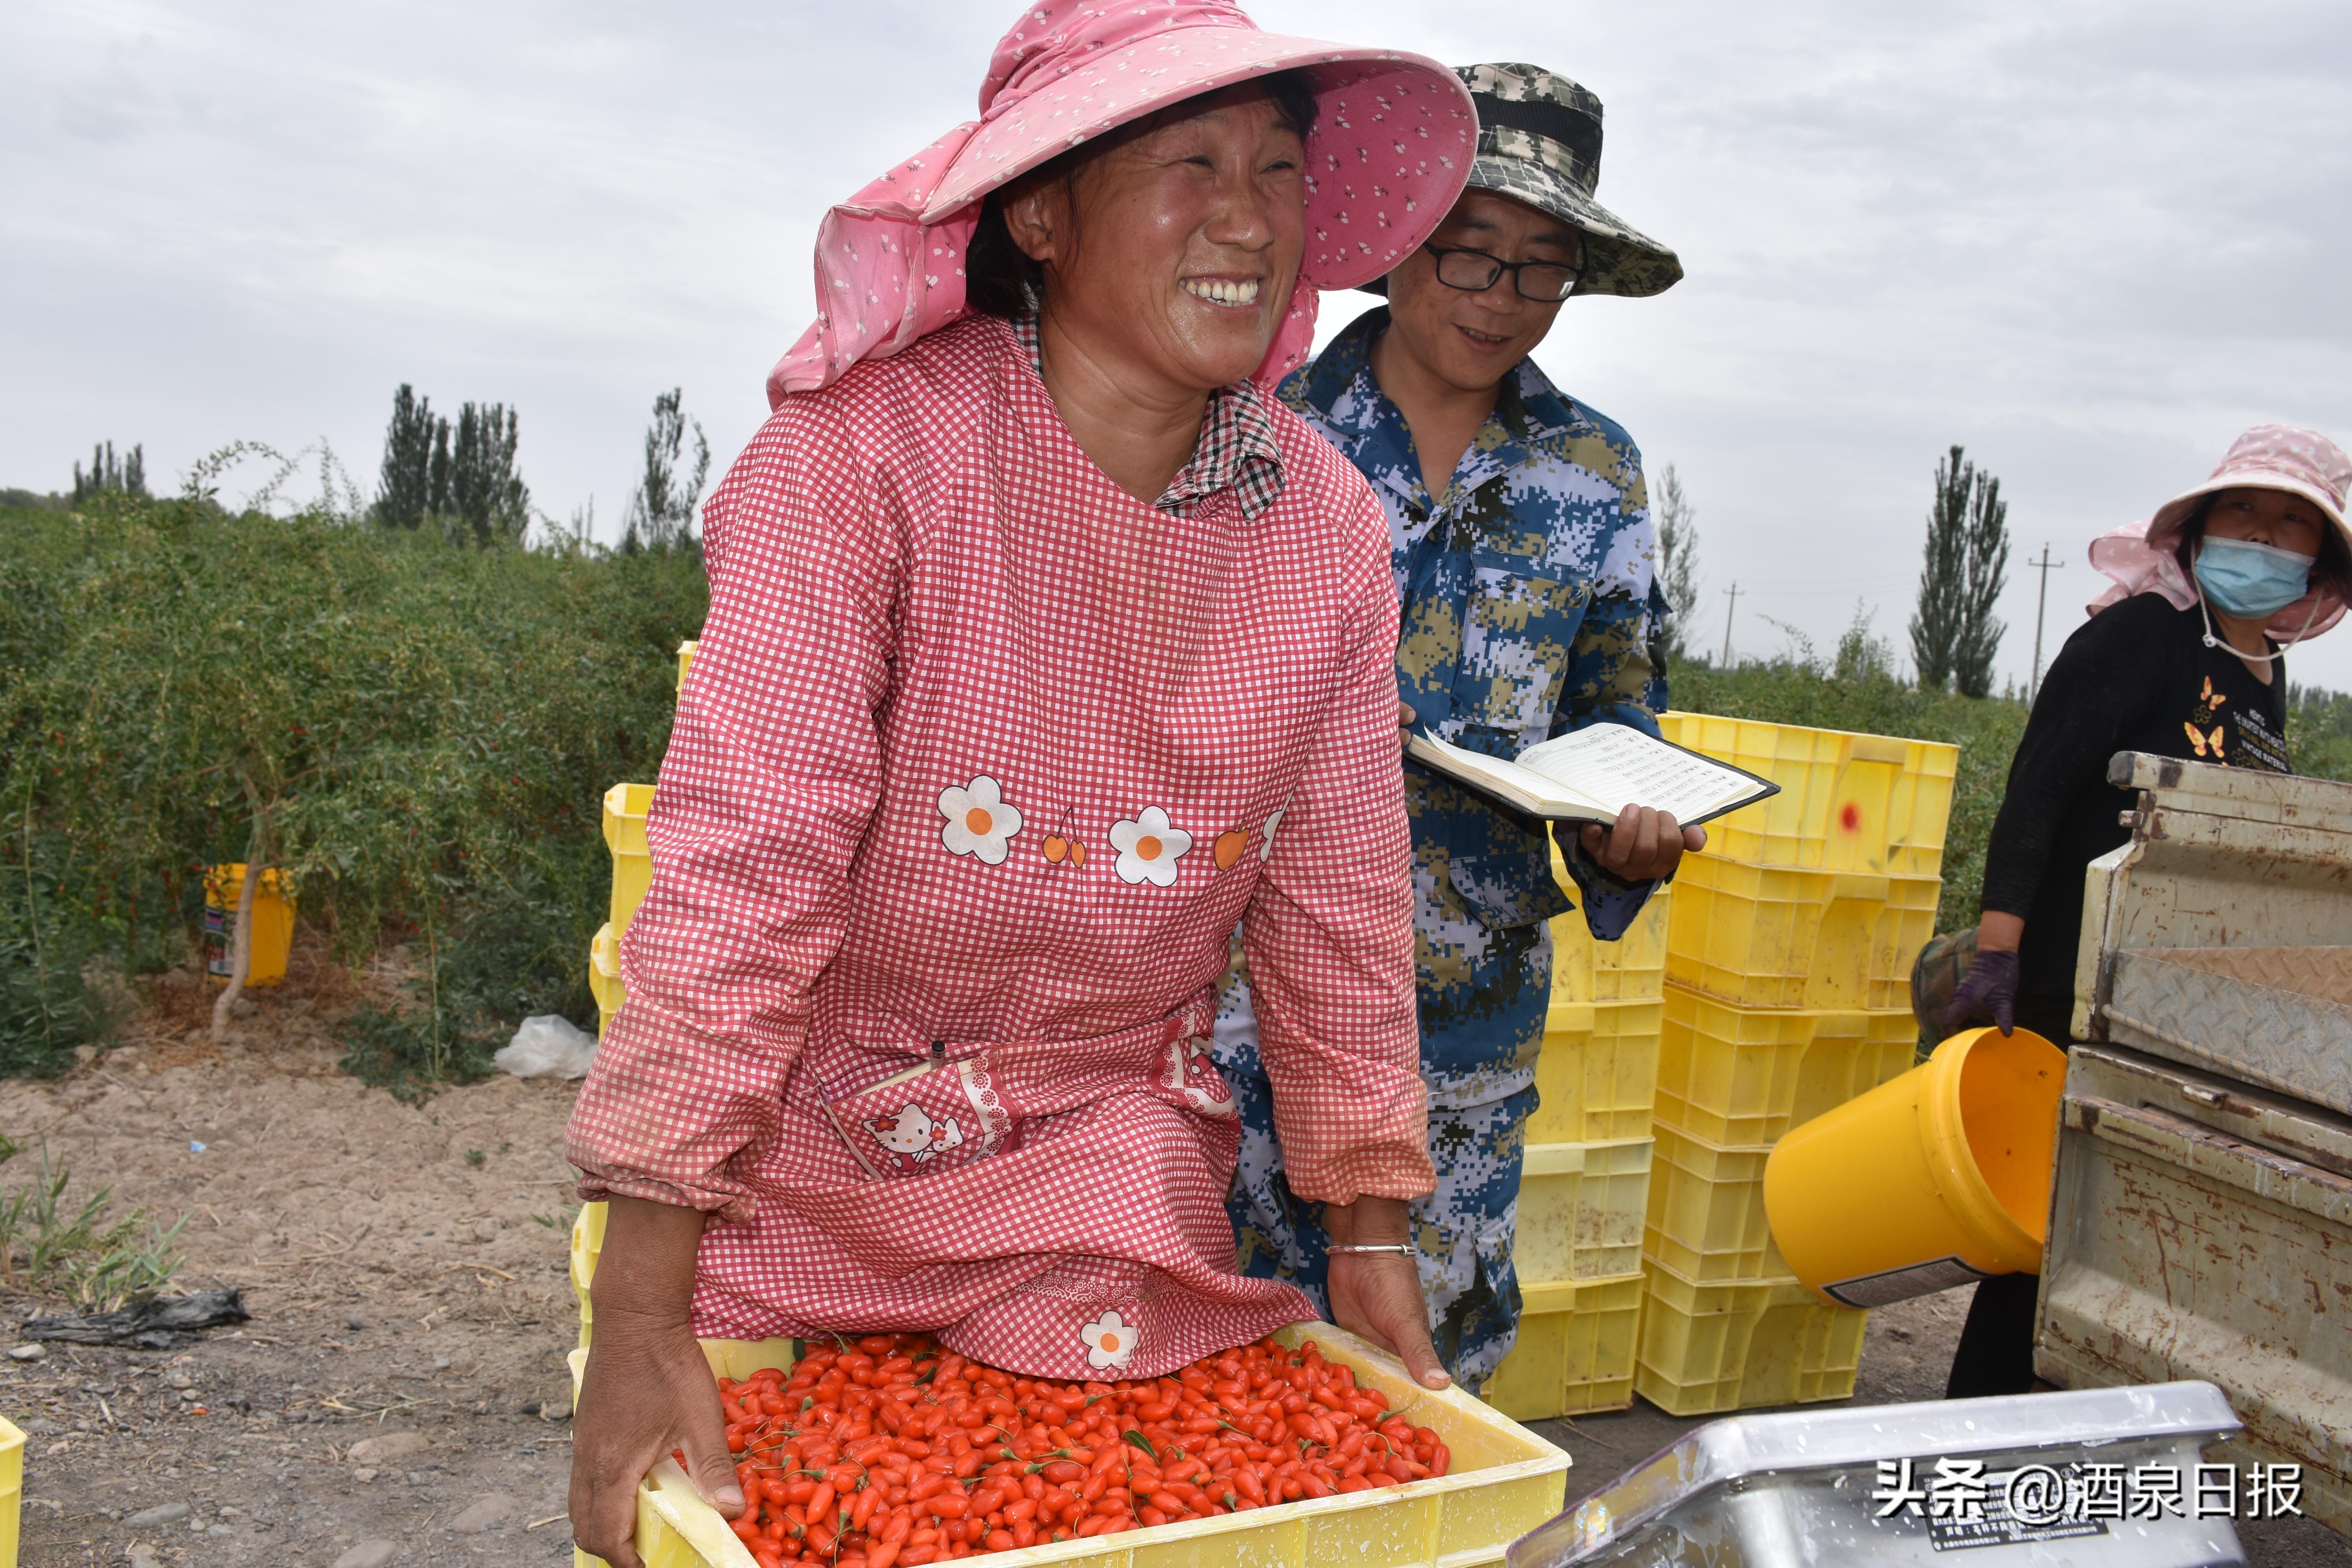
(1529, 611)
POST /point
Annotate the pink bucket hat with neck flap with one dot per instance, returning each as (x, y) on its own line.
(1393, 140)
(2139, 556)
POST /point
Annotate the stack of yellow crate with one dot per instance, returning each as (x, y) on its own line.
(1585, 1186)
(1787, 992)
(625, 806)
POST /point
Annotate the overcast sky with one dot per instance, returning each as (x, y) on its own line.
(2090, 242)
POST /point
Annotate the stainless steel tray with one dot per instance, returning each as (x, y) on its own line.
(1782, 1492)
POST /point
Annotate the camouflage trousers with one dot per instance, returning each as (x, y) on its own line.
(1463, 1229)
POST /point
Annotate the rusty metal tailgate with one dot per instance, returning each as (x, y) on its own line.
(2200, 1228)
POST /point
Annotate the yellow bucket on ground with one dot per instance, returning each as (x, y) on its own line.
(1931, 1180)
(273, 923)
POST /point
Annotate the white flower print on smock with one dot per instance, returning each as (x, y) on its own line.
(1109, 1341)
(980, 821)
(1148, 847)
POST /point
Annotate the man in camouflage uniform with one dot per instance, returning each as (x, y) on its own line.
(1522, 548)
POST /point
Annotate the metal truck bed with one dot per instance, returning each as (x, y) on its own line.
(2278, 1016)
(2201, 1228)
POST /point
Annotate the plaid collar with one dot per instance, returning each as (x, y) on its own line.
(1236, 448)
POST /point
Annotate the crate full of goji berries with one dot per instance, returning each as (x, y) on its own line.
(865, 1455)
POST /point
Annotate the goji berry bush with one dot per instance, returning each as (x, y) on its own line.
(419, 733)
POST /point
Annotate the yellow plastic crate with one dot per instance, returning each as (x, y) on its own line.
(1847, 801)
(625, 806)
(1744, 1076)
(1575, 1350)
(1581, 1211)
(12, 1489)
(685, 659)
(1707, 1219)
(604, 976)
(1505, 1480)
(1628, 970)
(1903, 927)
(1773, 936)
(587, 1243)
(1598, 1074)
(1709, 1348)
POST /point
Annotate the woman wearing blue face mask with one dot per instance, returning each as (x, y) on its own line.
(2183, 658)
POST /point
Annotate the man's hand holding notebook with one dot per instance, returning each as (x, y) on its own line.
(1591, 775)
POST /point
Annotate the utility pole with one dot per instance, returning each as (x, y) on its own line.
(2041, 603)
(1734, 592)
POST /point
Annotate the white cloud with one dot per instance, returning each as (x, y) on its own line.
(2089, 241)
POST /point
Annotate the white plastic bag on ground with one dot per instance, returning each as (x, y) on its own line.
(547, 1046)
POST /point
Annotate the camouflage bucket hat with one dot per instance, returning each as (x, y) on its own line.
(1539, 142)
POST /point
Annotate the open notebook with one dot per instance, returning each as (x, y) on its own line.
(1591, 775)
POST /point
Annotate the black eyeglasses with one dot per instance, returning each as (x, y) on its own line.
(1474, 272)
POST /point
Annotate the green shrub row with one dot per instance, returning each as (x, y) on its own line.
(420, 734)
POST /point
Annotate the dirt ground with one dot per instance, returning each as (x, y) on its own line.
(400, 1394)
(406, 1268)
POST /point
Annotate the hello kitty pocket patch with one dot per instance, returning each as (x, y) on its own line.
(1189, 1076)
(938, 1116)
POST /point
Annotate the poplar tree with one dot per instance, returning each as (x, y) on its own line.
(1678, 562)
(126, 476)
(661, 512)
(412, 485)
(1953, 636)
(487, 497)
(468, 486)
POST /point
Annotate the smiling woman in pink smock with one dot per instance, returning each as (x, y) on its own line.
(1044, 645)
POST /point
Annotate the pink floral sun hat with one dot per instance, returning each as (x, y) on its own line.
(2139, 555)
(1393, 141)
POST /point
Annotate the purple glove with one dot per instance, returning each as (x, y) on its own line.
(1987, 990)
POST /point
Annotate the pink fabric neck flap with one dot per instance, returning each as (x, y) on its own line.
(2139, 556)
(1393, 141)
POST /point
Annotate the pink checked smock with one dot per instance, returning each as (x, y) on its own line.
(981, 762)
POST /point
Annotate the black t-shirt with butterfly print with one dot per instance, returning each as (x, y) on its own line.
(2136, 678)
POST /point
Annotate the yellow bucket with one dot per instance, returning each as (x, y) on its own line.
(1934, 1179)
(273, 923)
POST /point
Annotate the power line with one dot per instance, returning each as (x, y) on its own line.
(1734, 592)
(2041, 603)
